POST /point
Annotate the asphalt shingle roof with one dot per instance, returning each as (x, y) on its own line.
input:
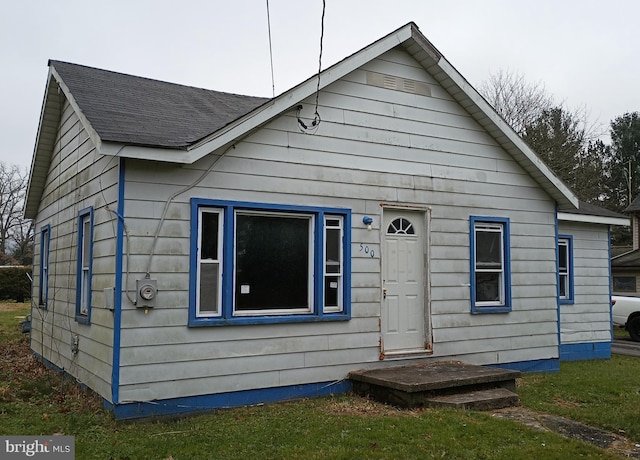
(593, 210)
(141, 111)
(634, 206)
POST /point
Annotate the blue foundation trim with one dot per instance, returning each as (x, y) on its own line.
(209, 403)
(540, 365)
(585, 351)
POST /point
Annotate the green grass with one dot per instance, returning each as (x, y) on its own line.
(34, 401)
(620, 333)
(603, 393)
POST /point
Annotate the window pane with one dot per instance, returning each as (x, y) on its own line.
(488, 287)
(272, 262)
(563, 256)
(333, 250)
(84, 301)
(563, 285)
(624, 283)
(209, 236)
(209, 287)
(86, 241)
(401, 226)
(331, 285)
(488, 249)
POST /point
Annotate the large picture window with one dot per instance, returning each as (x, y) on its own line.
(565, 269)
(255, 263)
(85, 256)
(490, 265)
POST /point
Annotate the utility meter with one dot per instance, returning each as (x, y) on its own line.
(146, 291)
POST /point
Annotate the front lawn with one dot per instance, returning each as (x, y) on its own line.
(37, 401)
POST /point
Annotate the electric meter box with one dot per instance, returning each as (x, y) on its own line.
(146, 291)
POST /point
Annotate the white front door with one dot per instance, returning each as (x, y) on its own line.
(404, 312)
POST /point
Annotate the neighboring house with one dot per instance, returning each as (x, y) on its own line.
(625, 267)
(198, 249)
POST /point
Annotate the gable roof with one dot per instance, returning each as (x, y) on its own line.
(109, 119)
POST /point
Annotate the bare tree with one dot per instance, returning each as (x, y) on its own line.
(519, 102)
(22, 242)
(13, 187)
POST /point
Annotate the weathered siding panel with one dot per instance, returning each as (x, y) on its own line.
(373, 146)
(73, 185)
(588, 319)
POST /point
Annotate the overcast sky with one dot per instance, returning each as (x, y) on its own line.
(584, 51)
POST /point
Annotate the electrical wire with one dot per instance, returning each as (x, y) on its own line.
(170, 200)
(273, 82)
(312, 127)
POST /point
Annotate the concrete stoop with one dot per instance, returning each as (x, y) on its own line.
(459, 385)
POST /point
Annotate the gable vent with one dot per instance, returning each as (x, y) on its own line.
(392, 82)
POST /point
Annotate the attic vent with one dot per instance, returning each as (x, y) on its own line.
(405, 85)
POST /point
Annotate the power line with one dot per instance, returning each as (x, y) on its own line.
(273, 82)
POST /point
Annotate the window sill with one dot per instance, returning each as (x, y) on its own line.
(82, 320)
(249, 320)
(485, 310)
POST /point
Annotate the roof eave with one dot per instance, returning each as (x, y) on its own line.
(45, 141)
(50, 116)
(587, 218)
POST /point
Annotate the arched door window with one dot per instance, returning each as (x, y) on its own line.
(401, 226)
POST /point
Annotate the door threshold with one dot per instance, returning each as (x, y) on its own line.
(400, 354)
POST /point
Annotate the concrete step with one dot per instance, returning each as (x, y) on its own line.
(446, 383)
(491, 399)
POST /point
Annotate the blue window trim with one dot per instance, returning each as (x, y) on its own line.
(84, 319)
(227, 318)
(506, 235)
(43, 289)
(570, 298)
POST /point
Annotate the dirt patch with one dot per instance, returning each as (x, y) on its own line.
(364, 407)
(13, 306)
(612, 442)
(24, 377)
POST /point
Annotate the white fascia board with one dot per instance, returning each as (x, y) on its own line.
(570, 217)
(490, 113)
(93, 135)
(168, 155)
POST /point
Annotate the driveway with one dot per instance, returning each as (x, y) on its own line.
(625, 346)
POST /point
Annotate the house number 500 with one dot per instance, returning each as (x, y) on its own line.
(367, 250)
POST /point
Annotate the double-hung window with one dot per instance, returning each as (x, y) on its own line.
(259, 263)
(565, 269)
(490, 265)
(43, 291)
(84, 266)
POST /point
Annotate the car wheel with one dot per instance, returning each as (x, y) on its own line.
(633, 327)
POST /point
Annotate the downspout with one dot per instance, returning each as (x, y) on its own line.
(558, 286)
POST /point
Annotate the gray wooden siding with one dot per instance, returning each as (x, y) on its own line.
(72, 185)
(589, 318)
(373, 146)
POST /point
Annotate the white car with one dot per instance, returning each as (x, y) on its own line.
(626, 313)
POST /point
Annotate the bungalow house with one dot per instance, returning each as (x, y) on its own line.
(625, 266)
(197, 249)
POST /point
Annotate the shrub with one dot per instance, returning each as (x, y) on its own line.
(15, 283)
